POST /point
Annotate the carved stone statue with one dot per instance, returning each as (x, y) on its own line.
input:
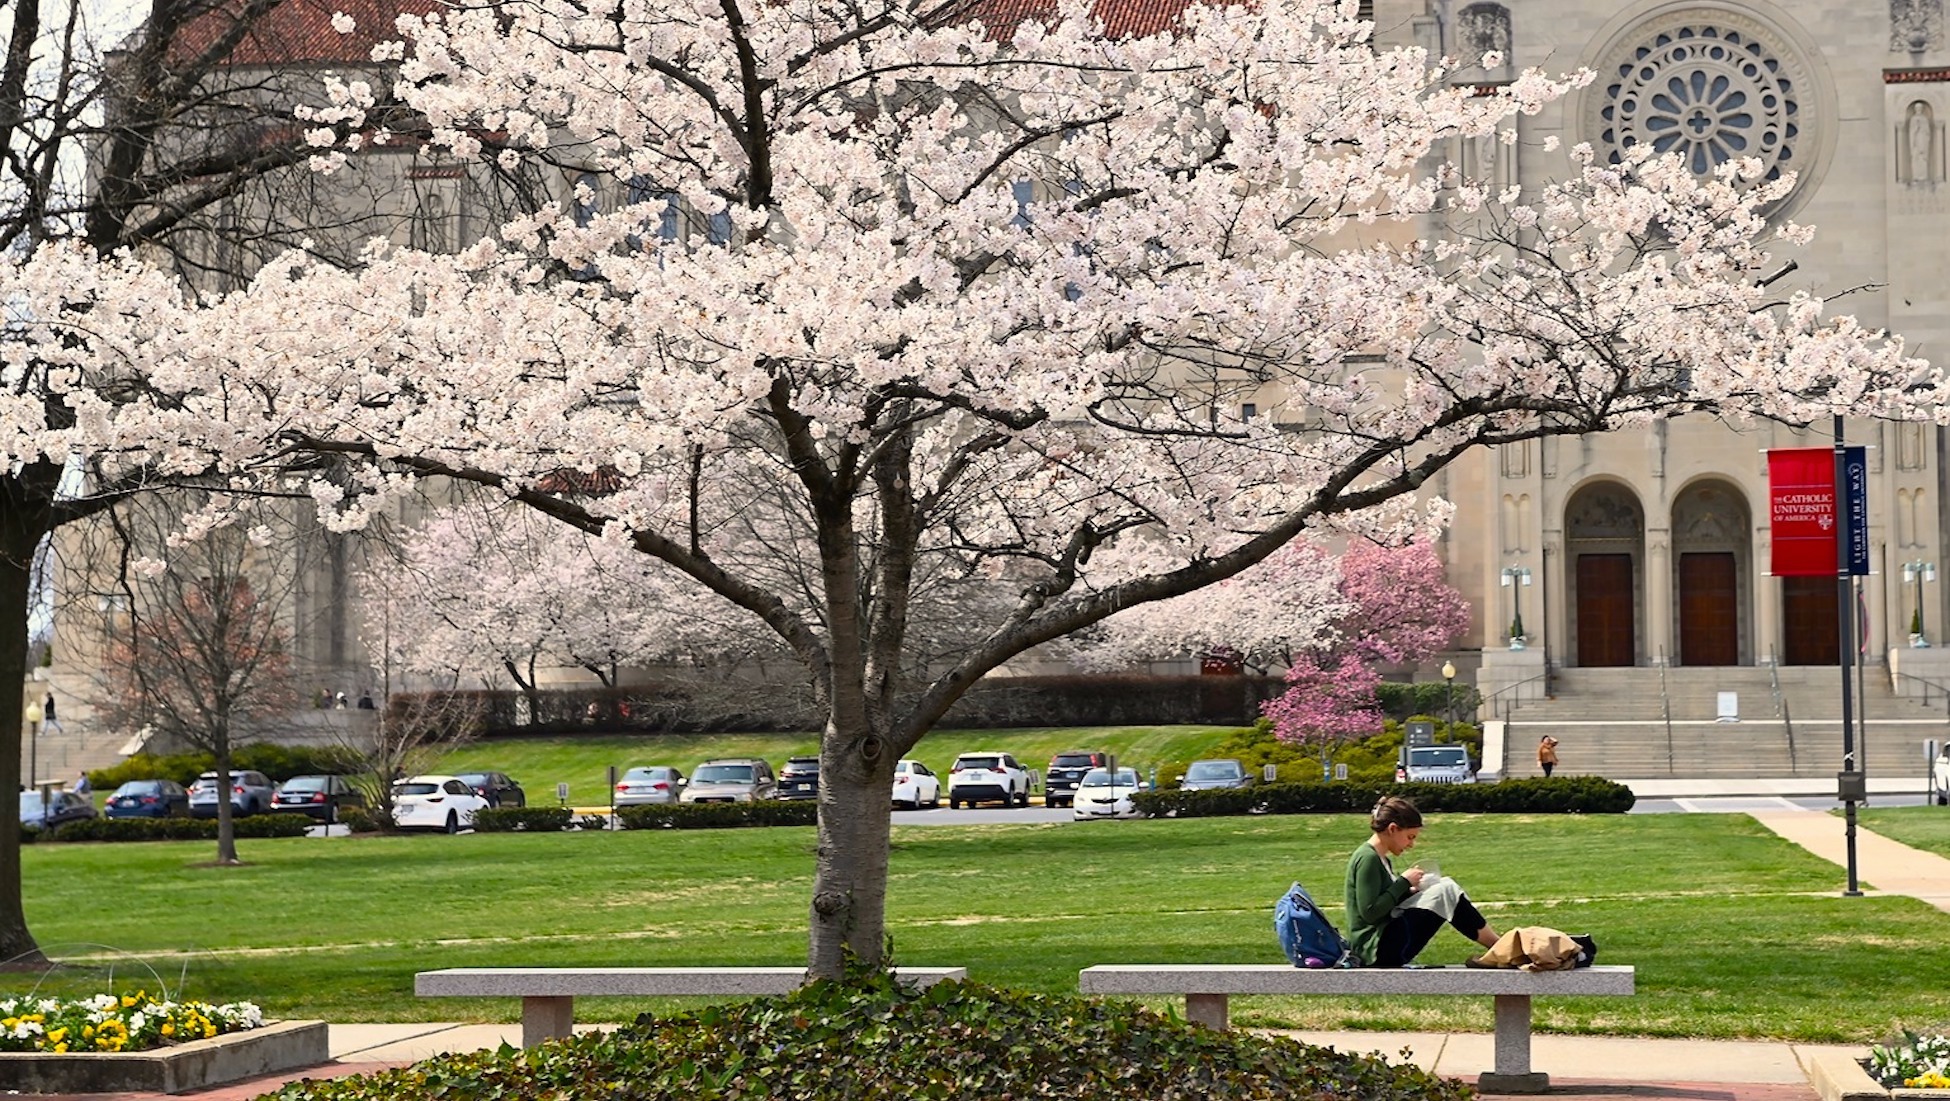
(1482, 29)
(1919, 144)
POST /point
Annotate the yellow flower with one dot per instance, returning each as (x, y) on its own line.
(128, 1000)
(60, 1048)
(57, 1035)
(168, 1029)
(88, 1032)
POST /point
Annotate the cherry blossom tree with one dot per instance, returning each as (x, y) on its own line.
(952, 299)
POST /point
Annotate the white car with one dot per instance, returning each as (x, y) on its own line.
(435, 803)
(1106, 794)
(649, 785)
(1942, 776)
(915, 787)
(987, 778)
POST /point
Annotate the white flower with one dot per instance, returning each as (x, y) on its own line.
(342, 22)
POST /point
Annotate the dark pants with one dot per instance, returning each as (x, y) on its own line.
(1411, 930)
(1548, 765)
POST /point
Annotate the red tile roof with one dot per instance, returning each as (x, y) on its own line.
(300, 31)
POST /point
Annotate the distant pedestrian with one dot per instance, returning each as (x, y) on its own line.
(338, 701)
(81, 785)
(365, 701)
(324, 700)
(1547, 754)
(48, 722)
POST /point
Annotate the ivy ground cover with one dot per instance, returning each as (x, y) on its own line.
(1762, 946)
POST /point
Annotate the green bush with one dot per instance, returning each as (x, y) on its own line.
(719, 816)
(1557, 795)
(361, 820)
(178, 829)
(1371, 758)
(522, 819)
(869, 1040)
(279, 762)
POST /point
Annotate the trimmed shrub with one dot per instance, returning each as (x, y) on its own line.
(279, 762)
(178, 829)
(1556, 795)
(719, 816)
(869, 1039)
(522, 819)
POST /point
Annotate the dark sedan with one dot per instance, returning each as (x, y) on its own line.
(799, 779)
(57, 808)
(495, 787)
(321, 797)
(149, 799)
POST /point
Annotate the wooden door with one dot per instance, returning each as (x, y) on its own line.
(1606, 631)
(1810, 625)
(1709, 609)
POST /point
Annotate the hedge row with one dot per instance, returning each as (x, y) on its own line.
(1537, 795)
(279, 762)
(720, 816)
(171, 829)
(523, 819)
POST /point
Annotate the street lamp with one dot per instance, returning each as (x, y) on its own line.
(1517, 578)
(32, 713)
(1918, 571)
(1449, 696)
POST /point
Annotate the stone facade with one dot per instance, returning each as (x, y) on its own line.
(1652, 546)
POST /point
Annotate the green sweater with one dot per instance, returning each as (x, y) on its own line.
(1373, 892)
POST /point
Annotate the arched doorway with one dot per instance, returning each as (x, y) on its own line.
(1604, 536)
(1712, 574)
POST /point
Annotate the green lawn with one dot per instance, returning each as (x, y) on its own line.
(1925, 827)
(583, 762)
(1734, 931)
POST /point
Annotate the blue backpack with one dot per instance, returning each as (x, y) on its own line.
(1306, 936)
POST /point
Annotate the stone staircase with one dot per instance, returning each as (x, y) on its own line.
(1612, 722)
(78, 740)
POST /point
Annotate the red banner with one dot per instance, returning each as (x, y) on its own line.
(1801, 511)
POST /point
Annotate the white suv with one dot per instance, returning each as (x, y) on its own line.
(987, 778)
(1942, 777)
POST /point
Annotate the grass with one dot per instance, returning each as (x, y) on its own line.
(1735, 932)
(1926, 827)
(583, 762)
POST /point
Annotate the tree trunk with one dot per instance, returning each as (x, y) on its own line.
(17, 945)
(849, 902)
(226, 823)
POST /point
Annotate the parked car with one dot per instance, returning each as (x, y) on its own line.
(1437, 764)
(321, 797)
(647, 785)
(251, 792)
(148, 799)
(495, 787)
(1106, 793)
(435, 803)
(731, 780)
(1065, 770)
(1942, 776)
(799, 779)
(1215, 773)
(58, 808)
(915, 786)
(987, 778)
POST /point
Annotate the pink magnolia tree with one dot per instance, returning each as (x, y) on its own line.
(943, 302)
(1397, 608)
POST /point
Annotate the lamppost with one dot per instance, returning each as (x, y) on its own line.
(32, 713)
(1516, 578)
(1918, 571)
(1449, 697)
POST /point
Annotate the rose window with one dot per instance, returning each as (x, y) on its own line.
(1708, 93)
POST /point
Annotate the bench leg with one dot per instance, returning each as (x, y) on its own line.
(546, 1018)
(1206, 1009)
(1513, 1073)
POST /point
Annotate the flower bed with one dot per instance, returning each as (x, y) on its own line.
(112, 1023)
(1914, 1062)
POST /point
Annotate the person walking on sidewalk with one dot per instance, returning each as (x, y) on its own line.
(1547, 754)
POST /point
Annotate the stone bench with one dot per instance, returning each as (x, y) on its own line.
(548, 994)
(1207, 986)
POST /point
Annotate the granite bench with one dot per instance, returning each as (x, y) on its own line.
(1207, 986)
(548, 994)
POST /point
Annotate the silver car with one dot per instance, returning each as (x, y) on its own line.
(251, 792)
(1438, 764)
(1219, 772)
(733, 780)
(649, 785)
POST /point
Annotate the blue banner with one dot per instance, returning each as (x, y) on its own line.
(1855, 472)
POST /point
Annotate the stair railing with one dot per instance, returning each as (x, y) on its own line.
(1927, 684)
(1781, 707)
(1665, 710)
(1502, 708)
